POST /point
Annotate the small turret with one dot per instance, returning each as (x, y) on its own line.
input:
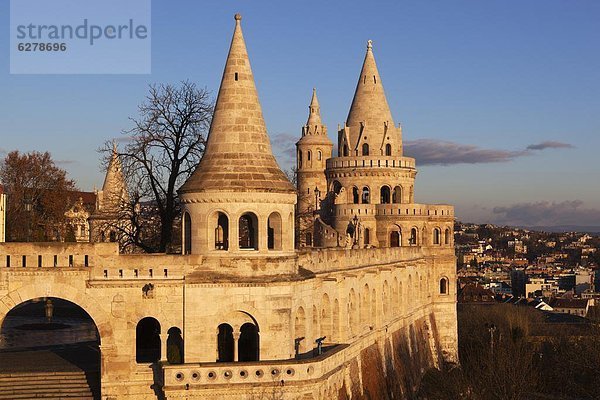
(107, 222)
(313, 149)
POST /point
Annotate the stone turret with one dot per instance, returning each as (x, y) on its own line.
(369, 128)
(313, 149)
(238, 199)
(108, 221)
(370, 178)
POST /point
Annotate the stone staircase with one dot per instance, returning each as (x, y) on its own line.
(72, 385)
(66, 372)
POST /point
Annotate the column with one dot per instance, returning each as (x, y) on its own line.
(163, 347)
(236, 338)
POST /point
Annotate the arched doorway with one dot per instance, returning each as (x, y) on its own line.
(384, 195)
(274, 231)
(50, 335)
(248, 232)
(174, 346)
(187, 234)
(222, 232)
(225, 343)
(248, 345)
(395, 238)
(147, 340)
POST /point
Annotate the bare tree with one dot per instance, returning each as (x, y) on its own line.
(38, 193)
(162, 150)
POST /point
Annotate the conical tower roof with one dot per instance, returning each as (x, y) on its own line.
(314, 132)
(114, 189)
(314, 110)
(369, 105)
(238, 154)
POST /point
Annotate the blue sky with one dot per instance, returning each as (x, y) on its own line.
(475, 81)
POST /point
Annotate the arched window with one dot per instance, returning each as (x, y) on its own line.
(352, 311)
(319, 155)
(174, 346)
(397, 195)
(443, 286)
(384, 195)
(147, 340)
(365, 306)
(300, 331)
(367, 236)
(308, 239)
(113, 236)
(385, 298)
(355, 195)
(366, 198)
(436, 236)
(394, 238)
(414, 237)
(222, 232)
(388, 149)
(248, 231)
(187, 235)
(225, 344)
(249, 343)
(447, 236)
(308, 155)
(326, 321)
(274, 232)
(365, 149)
(299, 158)
(345, 150)
(337, 187)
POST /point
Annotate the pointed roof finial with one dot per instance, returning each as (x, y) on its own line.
(114, 143)
(369, 44)
(314, 102)
(314, 114)
(238, 18)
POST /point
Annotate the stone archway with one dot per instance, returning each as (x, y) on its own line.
(61, 293)
(66, 292)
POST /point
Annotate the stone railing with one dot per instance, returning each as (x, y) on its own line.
(398, 209)
(331, 260)
(187, 375)
(371, 162)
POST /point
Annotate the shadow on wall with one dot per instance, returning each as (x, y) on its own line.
(406, 357)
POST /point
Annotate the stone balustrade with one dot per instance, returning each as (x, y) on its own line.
(371, 162)
(178, 376)
(397, 209)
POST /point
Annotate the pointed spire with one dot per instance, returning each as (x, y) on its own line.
(114, 189)
(314, 114)
(369, 104)
(238, 154)
(314, 132)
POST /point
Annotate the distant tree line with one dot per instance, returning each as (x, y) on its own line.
(510, 353)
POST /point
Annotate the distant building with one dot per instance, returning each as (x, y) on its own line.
(475, 293)
(501, 288)
(83, 205)
(578, 307)
(518, 279)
